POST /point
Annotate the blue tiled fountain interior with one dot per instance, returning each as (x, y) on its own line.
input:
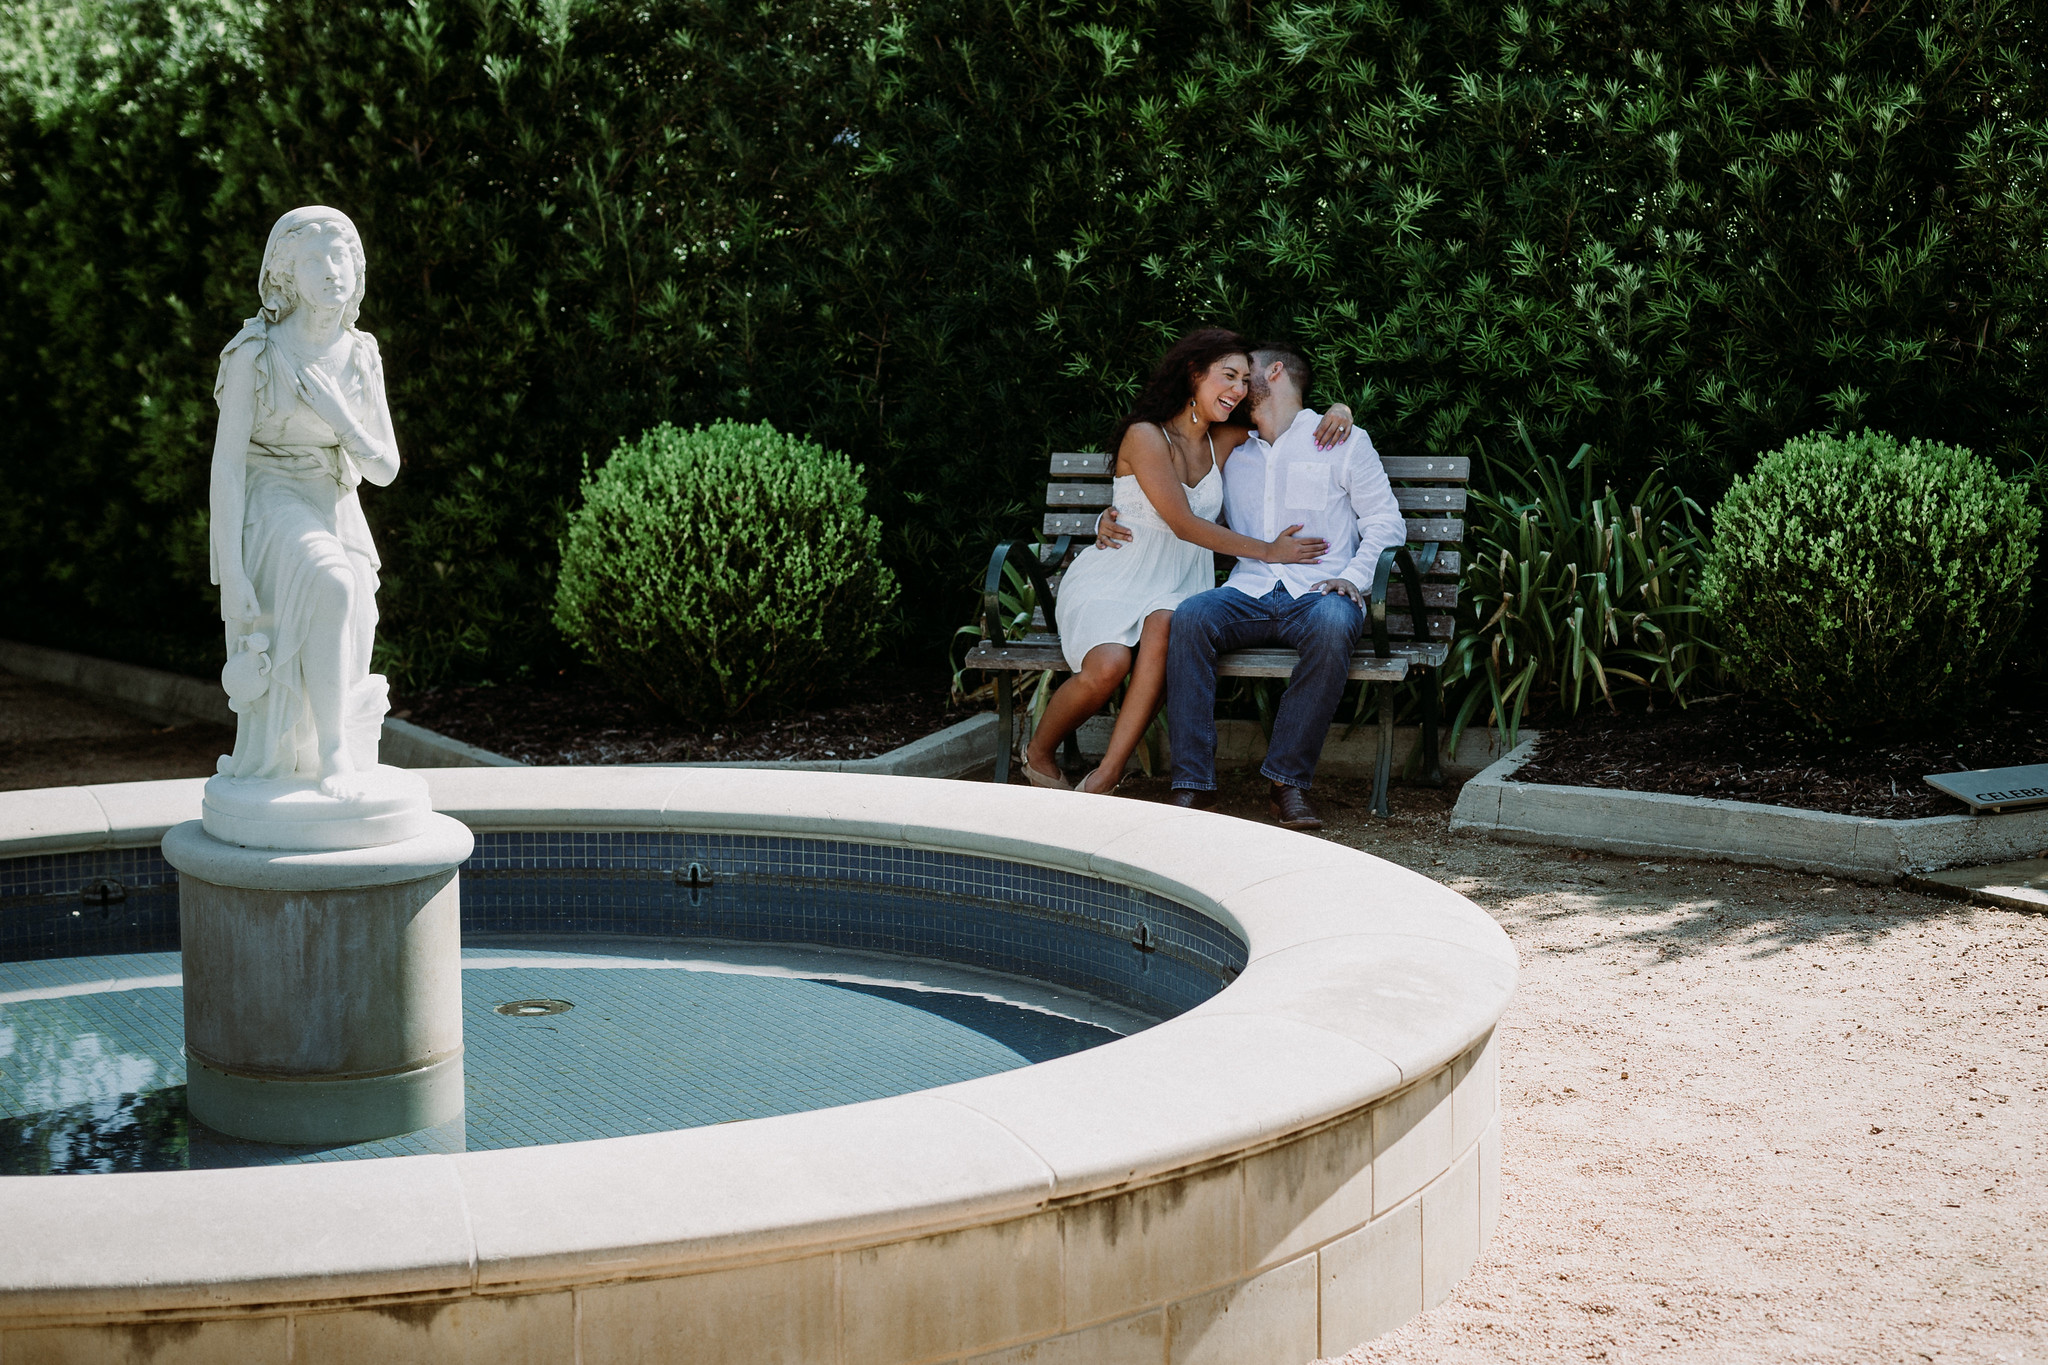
(1055, 927)
(986, 912)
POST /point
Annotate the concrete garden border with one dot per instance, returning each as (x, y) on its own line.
(1654, 824)
(1307, 1159)
(172, 699)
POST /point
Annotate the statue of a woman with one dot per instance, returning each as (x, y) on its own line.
(303, 421)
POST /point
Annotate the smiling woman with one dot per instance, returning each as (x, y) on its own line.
(1116, 605)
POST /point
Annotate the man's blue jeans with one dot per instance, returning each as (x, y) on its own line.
(1323, 627)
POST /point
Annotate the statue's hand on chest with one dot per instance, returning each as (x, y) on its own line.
(319, 391)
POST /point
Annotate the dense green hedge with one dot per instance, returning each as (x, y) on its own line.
(1863, 581)
(945, 236)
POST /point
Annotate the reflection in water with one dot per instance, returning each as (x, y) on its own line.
(661, 1036)
(61, 1068)
(146, 1132)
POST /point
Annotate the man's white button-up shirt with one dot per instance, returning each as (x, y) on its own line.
(1340, 494)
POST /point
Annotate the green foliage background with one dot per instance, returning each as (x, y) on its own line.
(945, 237)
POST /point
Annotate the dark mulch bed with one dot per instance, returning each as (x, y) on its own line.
(1743, 750)
(579, 716)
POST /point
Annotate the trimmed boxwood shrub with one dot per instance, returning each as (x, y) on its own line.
(1862, 580)
(724, 568)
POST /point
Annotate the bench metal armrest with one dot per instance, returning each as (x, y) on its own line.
(1376, 612)
(992, 584)
(1413, 566)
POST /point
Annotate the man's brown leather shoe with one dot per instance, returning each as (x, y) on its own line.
(1188, 798)
(1291, 807)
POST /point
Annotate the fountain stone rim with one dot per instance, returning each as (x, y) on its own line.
(1304, 1043)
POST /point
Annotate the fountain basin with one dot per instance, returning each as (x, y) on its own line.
(1303, 1160)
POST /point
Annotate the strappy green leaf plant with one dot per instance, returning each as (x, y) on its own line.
(1570, 598)
(1018, 603)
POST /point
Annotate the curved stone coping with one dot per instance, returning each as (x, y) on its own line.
(1365, 982)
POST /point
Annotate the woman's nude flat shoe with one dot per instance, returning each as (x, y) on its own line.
(1039, 779)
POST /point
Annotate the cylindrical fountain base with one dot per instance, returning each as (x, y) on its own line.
(323, 990)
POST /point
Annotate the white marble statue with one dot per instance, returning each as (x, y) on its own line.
(303, 422)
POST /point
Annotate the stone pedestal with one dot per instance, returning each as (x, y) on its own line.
(323, 990)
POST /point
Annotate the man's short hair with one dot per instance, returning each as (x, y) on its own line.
(1291, 360)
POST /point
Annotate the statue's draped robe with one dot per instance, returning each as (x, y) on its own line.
(301, 519)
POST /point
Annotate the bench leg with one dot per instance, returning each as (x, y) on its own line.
(1432, 757)
(1383, 770)
(1006, 729)
(1071, 747)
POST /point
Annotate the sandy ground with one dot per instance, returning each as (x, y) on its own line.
(55, 737)
(1748, 1115)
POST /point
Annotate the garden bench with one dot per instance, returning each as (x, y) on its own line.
(1414, 599)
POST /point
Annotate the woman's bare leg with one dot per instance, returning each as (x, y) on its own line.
(1141, 703)
(325, 665)
(1078, 698)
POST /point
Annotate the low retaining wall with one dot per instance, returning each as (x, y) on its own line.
(1654, 824)
(1307, 1159)
(174, 699)
(956, 751)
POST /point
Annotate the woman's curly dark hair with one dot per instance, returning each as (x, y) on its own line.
(1172, 385)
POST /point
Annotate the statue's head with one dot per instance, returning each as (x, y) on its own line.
(313, 257)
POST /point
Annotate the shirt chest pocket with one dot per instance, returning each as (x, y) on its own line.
(1308, 485)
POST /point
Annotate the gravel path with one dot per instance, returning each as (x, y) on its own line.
(53, 736)
(1750, 1116)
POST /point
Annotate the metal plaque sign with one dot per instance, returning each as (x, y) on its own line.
(1996, 789)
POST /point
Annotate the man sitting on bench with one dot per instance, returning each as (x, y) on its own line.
(1275, 479)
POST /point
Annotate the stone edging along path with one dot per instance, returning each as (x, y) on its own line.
(170, 698)
(1656, 824)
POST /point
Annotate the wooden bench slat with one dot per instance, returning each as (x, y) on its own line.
(1447, 468)
(1430, 499)
(1399, 624)
(1078, 494)
(1407, 499)
(1447, 565)
(1421, 530)
(1413, 468)
(1038, 652)
(1443, 595)
(1279, 663)
(1033, 657)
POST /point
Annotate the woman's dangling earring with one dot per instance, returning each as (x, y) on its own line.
(1194, 415)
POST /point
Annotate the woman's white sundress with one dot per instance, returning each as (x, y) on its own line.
(1107, 594)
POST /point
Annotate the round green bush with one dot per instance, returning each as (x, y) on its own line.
(1861, 580)
(724, 568)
